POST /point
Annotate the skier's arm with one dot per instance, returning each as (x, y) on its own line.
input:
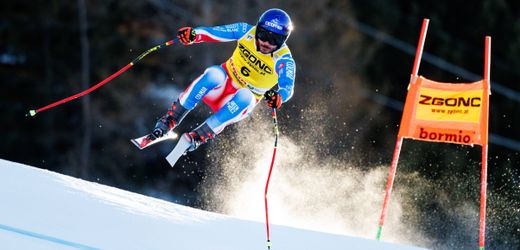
(286, 69)
(223, 33)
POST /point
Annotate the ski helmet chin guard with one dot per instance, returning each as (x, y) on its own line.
(274, 26)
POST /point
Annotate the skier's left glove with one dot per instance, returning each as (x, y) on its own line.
(186, 35)
(273, 99)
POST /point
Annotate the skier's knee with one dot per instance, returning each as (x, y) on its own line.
(244, 97)
(215, 74)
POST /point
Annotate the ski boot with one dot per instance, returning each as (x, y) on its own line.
(199, 136)
(170, 120)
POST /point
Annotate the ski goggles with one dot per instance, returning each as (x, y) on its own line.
(269, 36)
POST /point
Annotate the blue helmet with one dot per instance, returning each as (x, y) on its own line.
(274, 26)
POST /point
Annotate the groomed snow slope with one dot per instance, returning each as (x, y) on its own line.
(44, 210)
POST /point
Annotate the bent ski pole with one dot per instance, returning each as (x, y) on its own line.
(33, 112)
(275, 125)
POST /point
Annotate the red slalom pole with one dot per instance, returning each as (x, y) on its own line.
(484, 164)
(399, 142)
(483, 188)
(33, 112)
(275, 124)
(420, 46)
(389, 184)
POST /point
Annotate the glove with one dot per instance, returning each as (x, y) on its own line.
(186, 35)
(273, 99)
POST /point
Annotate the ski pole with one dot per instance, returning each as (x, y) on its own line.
(33, 112)
(275, 125)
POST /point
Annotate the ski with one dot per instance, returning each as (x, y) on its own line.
(183, 144)
(149, 139)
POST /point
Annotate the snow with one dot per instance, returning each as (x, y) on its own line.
(40, 209)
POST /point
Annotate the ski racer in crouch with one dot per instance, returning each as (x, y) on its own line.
(233, 89)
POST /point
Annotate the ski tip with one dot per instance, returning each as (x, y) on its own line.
(143, 142)
(136, 143)
(32, 112)
(149, 139)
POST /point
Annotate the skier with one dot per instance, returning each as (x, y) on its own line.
(260, 61)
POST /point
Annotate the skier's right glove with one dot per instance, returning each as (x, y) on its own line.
(273, 99)
(186, 35)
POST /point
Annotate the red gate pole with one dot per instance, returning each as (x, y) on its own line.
(389, 184)
(420, 46)
(485, 118)
(398, 144)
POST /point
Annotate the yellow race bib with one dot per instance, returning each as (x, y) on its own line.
(252, 69)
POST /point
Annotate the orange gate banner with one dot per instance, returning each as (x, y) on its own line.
(446, 112)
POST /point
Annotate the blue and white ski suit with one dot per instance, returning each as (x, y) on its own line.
(233, 88)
